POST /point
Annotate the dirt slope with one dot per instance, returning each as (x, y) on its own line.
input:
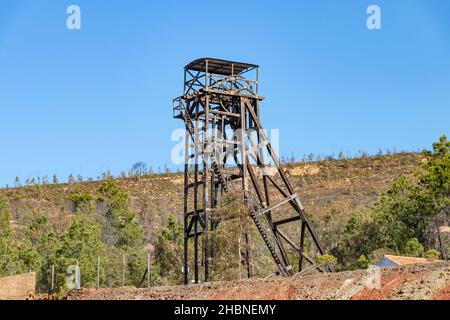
(430, 281)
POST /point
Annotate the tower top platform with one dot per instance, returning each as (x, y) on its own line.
(219, 66)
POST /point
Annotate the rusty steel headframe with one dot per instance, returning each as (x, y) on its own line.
(227, 149)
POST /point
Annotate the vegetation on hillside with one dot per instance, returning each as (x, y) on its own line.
(105, 227)
(102, 232)
(407, 218)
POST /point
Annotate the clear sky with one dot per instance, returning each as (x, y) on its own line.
(96, 99)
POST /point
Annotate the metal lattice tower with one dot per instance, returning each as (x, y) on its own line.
(227, 149)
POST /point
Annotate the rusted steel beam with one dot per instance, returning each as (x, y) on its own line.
(284, 221)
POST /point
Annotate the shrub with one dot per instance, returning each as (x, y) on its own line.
(431, 254)
(414, 248)
(326, 258)
(362, 262)
(80, 198)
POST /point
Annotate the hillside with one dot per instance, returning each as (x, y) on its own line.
(328, 188)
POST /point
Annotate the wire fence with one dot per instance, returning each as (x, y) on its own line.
(73, 276)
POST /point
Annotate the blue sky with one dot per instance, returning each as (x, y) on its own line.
(99, 99)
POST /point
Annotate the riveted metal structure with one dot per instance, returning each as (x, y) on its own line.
(227, 149)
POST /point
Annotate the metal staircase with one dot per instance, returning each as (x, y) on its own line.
(255, 212)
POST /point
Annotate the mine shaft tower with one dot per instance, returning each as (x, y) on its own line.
(227, 150)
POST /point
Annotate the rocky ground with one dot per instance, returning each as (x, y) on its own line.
(416, 282)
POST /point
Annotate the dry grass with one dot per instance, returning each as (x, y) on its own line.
(335, 188)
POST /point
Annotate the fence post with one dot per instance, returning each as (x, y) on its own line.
(123, 270)
(98, 272)
(52, 285)
(77, 277)
(148, 271)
